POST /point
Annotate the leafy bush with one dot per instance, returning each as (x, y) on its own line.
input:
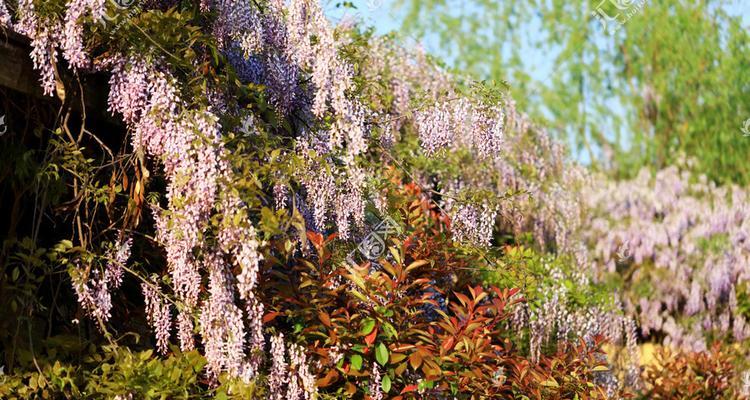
(116, 372)
(693, 375)
(412, 325)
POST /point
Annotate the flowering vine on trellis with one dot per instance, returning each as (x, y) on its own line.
(212, 247)
(185, 137)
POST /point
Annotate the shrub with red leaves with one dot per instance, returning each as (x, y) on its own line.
(415, 324)
(706, 375)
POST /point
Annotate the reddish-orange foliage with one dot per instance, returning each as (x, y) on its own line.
(418, 316)
(692, 375)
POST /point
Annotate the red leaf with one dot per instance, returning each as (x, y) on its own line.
(315, 237)
(325, 318)
(409, 388)
(270, 316)
(462, 298)
(370, 339)
(415, 360)
(448, 344)
(328, 379)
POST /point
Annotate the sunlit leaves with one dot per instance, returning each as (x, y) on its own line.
(381, 354)
(386, 384)
(356, 360)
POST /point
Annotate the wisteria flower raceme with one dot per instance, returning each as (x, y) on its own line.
(222, 326)
(158, 314)
(375, 383)
(72, 38)
(94, 287)
(458, 122)
(5, 20)
(277, 378)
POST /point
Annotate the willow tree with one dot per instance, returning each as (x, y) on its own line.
(634, 82)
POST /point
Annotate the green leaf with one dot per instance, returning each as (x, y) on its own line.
(551, 383)
(358, 295)
(381, 354)
(221, 396)
(356, 362)
(367, 326)
(386, 384)
(395, 253)
(416, 264)
(389, 330)
(354, 277)
(145, 355)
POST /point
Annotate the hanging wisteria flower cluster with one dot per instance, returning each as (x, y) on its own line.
(5, 20)
(513, 155)
(158, 315)
(289, 380)
(185, 137)
(688, 239)
(94, 291)
(459, 122)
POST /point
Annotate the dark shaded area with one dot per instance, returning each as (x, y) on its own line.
(58, 181)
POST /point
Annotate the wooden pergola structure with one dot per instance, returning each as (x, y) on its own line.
(17, 73)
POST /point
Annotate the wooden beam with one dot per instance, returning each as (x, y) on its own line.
(17, 73)
(16, 69)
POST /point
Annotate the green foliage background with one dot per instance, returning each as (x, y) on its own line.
(671, 82)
